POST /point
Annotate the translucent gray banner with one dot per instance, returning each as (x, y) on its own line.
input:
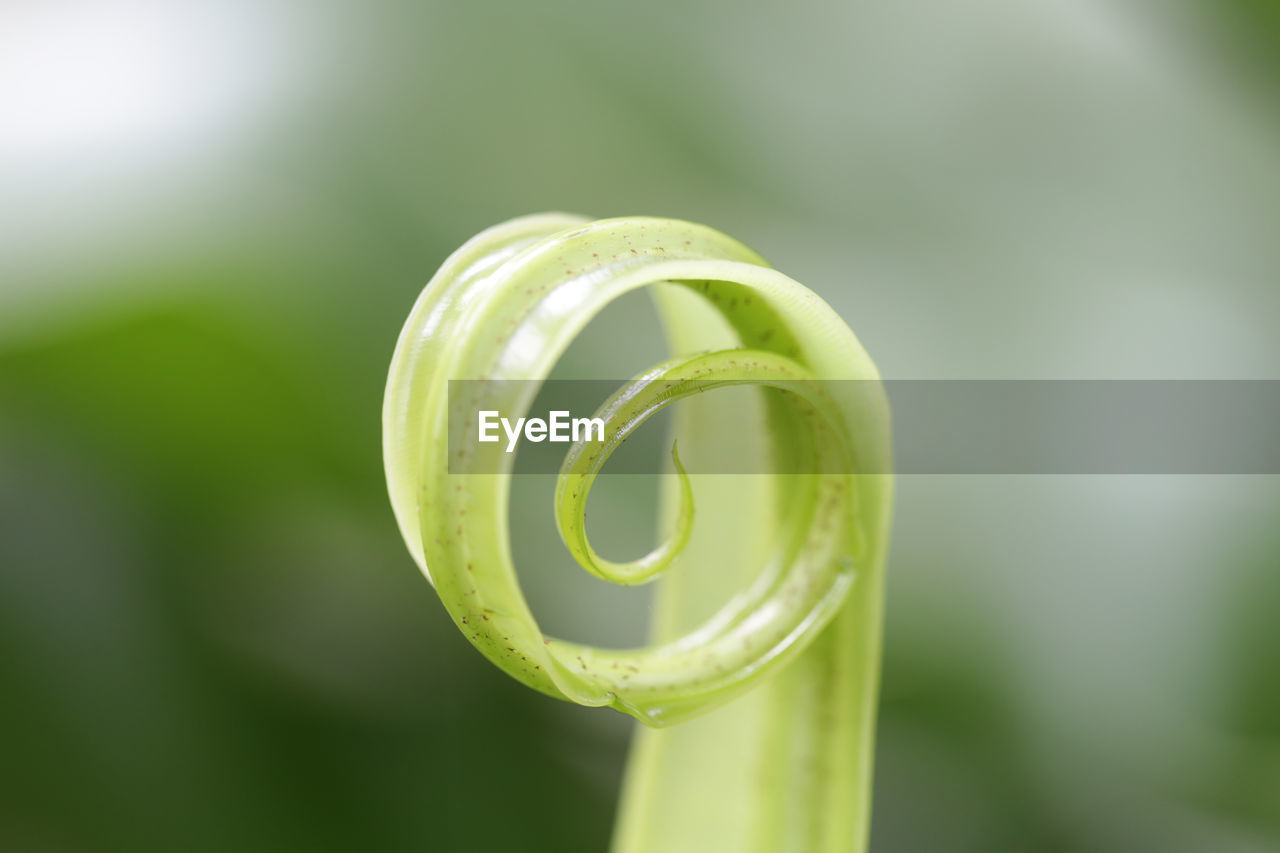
(939, 427)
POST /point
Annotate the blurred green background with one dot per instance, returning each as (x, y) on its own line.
(214, 217)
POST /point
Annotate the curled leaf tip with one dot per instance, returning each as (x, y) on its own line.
(504, 307)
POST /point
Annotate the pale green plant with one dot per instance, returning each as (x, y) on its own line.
(781, 590)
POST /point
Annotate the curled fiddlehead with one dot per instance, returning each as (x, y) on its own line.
(505, 307)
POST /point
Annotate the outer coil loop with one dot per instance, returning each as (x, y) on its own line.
(504, 307)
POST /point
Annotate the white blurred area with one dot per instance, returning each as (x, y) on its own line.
(116, 116)
(94, 85)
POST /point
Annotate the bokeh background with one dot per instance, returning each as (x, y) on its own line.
(214, 217)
